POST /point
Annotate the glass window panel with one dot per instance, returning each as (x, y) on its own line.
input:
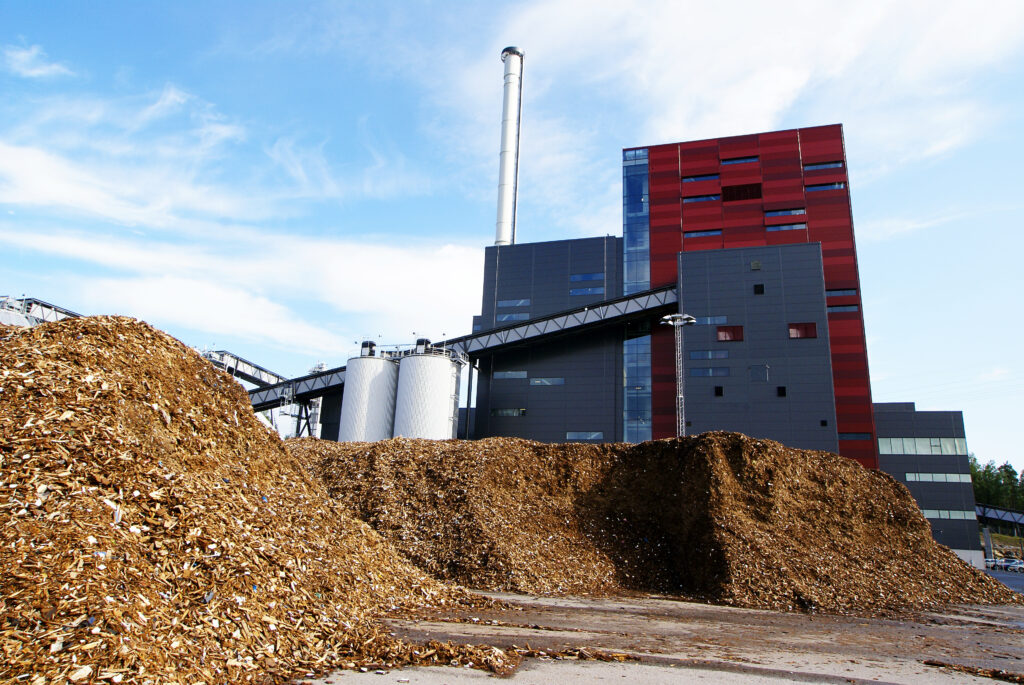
(911, 477)
(514, 303)
(924, 445)
(925, 477)
(939, 477)
(970, 515)
(943, 513)
(584, 435)
(587, 291)
(961, 445)
(930, 513)
(509, 374)
(965, 478)
(518, 316)
(547, 381)
(884, 446)
(948, 445)
(587, 277)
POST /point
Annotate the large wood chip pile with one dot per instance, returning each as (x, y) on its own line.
(152, 530)
(718, 516)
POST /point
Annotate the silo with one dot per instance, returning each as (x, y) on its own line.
(368, 405)
(427, 395)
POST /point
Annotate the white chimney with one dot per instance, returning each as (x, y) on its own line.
(508, 170)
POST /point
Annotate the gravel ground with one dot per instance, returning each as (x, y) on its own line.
(684, 642)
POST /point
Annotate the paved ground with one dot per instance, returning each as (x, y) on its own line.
(685, 642)
(1012, 579)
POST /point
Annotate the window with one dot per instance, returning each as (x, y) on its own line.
(597, 276)
(803, 330)
(499, 375)
(955, 478)
(547, 381)
(755, 265)
(841, 293)
(824, 423)
(759, 288)
(738, 160)
(702, 234)
(630, 155)
(949, 514)
(786, 227)
(509, 412)
(842, 308)
(518, 316)
(710, 371)
(584, 435)
(701, 177)
(701, 198)
(746, 191)
(514, 303)
(780, 391)
(719, 391)
(599, 290)
(824, 186)
(855, 436)
(710, 319)
(823, 165)
(730, 333)
(785, 212)
(759, 373)
(709, 354)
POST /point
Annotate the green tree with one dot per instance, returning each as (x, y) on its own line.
(997, 486)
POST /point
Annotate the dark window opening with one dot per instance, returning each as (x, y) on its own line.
(824, 422)
(702, 234)
(803, 330)
(689, 423)
(701, 177)
(719, 391)
(836, 308)
(747, 191)
(823, 165)
(785, 212)
(759, 288)
(730, 333)
(738, 160)
(780, 391)
(825, 186)
(845, 292)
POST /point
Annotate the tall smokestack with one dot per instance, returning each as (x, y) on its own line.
(508, 169)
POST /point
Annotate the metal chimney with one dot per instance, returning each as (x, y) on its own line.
(508, 169)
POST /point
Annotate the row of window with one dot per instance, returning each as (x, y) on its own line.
(747, 160)
(597, 276)
(548, 380)
(598, 290)
(709, 354)
(841, 293)
(832, 309)
(938, 478)
(517, 316)
(514, 303)
(922, 446)
(949, 514)
(748, 192)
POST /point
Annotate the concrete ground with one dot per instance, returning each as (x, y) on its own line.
(686, 642)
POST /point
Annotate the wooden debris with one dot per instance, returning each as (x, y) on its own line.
(152, 530)
(718, 517)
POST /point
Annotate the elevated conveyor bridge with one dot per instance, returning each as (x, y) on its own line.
(642, 305)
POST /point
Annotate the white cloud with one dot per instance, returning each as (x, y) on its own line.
(384, 288)
(31, 63)
(891, 227)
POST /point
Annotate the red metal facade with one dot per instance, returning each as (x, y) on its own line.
(775, 179)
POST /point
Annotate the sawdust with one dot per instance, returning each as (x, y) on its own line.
(719, 517)
(151, 529)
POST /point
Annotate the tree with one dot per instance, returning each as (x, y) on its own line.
(997, 486)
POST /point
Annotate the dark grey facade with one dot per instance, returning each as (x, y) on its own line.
(562, 389)
(927, 452)
(776, 381)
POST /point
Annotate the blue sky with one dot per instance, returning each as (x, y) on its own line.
(283, 180)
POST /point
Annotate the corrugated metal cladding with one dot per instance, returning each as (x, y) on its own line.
(774, 188)
(368, 408)
(428, 387)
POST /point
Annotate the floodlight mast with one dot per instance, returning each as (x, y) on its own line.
(677, 321)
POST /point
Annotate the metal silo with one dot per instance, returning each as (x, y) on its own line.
(428, 386)
(368, 405)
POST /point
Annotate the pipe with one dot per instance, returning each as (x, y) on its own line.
(508, 167)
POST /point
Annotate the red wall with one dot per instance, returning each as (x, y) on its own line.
(780, 171)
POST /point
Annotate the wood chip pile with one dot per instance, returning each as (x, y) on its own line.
(152, 530)
(719, 516)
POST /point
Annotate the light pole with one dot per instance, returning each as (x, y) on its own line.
(677, 321)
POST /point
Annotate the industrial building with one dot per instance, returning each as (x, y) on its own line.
(755, 236)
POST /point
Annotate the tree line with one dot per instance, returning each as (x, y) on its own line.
(997, 486)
